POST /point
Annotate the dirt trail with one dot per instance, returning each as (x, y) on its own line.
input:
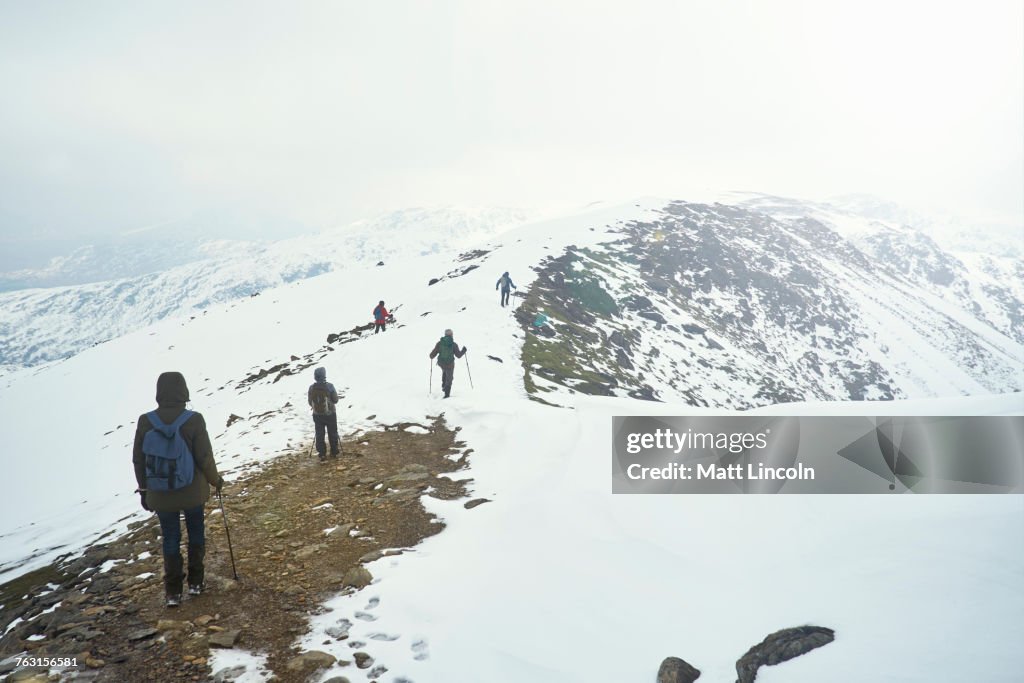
(114, 621)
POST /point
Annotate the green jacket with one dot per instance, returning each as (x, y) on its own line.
(171, 397)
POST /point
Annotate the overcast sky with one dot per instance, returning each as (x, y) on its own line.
(118, 115)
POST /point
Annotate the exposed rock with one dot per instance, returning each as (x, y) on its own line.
(171, 625)
(781, 646)
(371, 556)
(676, 670)
(309, 661)
(363, 660)
(653, 316)
(357, 577)
(618, 339)
(469, 505)
(141, 634)
(407, 477)
(97, 610)
(229, 674)
(225, 638)
(310, 550)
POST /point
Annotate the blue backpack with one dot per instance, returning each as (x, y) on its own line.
(169, 462)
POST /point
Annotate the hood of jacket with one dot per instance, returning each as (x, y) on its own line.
(171, 390)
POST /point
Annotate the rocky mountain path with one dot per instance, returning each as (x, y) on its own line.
(301, 532)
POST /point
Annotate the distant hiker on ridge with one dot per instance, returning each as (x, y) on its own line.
(380, 318)
(322, 398)
(446, 351)
(505, 282)
(174, 468)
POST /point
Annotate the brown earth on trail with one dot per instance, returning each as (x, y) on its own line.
(287, 564)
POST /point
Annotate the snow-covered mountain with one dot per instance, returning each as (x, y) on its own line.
(693, 304)
(721, 306)
(41, 325)
(982, 278)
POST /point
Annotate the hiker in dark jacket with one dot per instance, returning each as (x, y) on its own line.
(505, 282)
(446, 351)
(171, 397)
(380, 318)
(322, 398)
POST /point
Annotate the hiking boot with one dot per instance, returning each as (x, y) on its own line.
(173, 578)
(196, 570)
(335, 454)
(321, 457)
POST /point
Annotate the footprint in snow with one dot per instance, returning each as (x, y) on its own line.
(419, 649)
(366, 616)
(373, 603)
(388, 637)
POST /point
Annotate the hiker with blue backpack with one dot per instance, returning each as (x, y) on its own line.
(174, 468)
(446, 351)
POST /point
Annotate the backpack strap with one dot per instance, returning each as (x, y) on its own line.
(182, 419)
(168, 429)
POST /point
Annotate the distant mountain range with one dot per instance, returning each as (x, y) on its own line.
(141, 281)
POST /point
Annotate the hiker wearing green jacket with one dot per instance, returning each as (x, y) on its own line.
(446, 351)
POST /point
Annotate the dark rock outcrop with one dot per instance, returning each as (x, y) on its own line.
(781, 646)
(676, 670)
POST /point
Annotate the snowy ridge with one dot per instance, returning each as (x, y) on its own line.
(41, 325)
(555, 569)
(719, 306)
(980, 272)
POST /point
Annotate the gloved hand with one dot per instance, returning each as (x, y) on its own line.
(219, 484)
(142, 499)
(465, 350)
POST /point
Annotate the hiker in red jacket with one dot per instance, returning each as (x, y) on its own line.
(380, 318)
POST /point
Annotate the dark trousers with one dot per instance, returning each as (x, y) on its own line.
(447, 374)
(170, 529)
(378, 326)
(330, 423)
(504, 297)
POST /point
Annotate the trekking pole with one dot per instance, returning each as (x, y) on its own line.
(430, 390)
(227, 532)
(466, 358)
